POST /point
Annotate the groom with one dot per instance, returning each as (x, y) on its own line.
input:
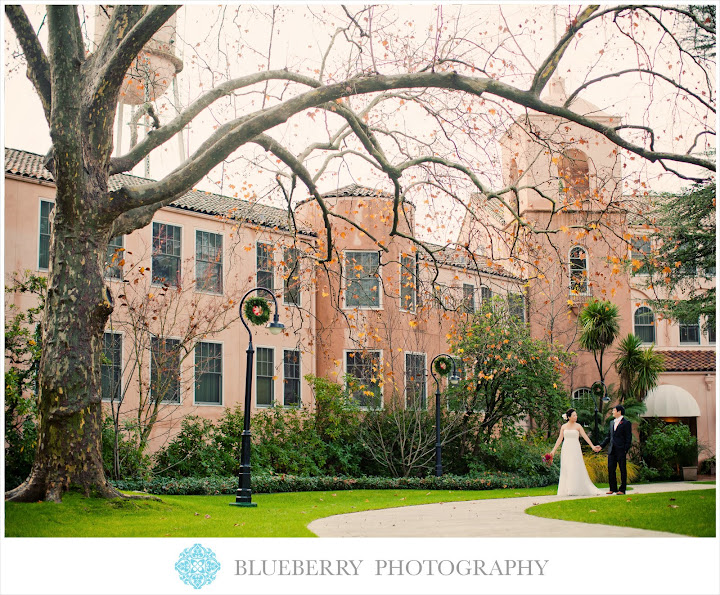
(619, 437)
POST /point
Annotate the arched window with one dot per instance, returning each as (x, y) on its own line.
(645, 324)
(578, 270)
(485, 293)
(574, 174)
(581, 394)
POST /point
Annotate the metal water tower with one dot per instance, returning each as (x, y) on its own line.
(149, 76)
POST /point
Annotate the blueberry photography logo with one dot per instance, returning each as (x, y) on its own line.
(197, 566)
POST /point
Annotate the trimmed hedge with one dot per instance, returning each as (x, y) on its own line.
(266, 484)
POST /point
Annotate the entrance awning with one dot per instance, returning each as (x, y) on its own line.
(669, 400)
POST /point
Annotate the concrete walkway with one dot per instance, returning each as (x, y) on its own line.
(504, 517)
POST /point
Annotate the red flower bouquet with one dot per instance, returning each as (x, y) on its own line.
(548, 458)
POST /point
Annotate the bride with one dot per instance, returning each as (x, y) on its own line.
(574, 478)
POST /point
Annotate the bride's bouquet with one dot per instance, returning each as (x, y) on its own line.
(548, 458)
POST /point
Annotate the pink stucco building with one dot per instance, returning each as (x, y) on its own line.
(375, 309)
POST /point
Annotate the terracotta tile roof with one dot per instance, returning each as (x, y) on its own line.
(355, 190)
(689, 360)
(30, 165)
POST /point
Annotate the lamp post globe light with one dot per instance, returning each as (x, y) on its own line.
(243, 495)
(454, 379)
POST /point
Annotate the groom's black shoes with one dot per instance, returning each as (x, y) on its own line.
(609, 492)
(620, 493)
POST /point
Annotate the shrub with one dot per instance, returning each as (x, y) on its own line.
(191, 452)
(510, 452)
(337, 422)
(597, 468)
(285, 441)
(669, 447)
(20, 431)
(707, 467)
(265, 483)
(131, 462)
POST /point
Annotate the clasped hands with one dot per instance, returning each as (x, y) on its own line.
(597, 448)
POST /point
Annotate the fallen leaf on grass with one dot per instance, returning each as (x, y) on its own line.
(197, 514)
(672, 499)
(592, 511)
(672, 506)
(207, 516)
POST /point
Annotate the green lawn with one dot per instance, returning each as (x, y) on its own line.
(277, 515)
(687, 513)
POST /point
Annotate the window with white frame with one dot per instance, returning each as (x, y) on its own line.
(165, 370)
(644, 320)
(115, 258)
(581, 394)
(208, 373)
(469, 298)
(265, 267)
(166, 254)
(291, 378)
(639, 253)
(578, 270)
(408, 283)
(415, 385)
(516, 305)
(689, 332)
(291, 283)
(46, 209)
(208, 261)
(485, 293)
(265, 377)
(363, 377)
(362, 279)
(111, 367)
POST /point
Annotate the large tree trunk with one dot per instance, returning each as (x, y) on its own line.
(69, 451)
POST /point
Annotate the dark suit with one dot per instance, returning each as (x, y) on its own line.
(619, 441)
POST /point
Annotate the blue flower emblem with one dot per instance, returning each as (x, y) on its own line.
(197, 566)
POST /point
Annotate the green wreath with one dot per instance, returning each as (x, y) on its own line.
(257, 310)
(442, 366)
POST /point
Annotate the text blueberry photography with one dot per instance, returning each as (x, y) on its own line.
(197, 566)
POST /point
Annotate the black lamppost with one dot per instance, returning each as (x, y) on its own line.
(243, 495)
(454, 379)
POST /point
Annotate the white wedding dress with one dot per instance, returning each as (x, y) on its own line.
(574, 478)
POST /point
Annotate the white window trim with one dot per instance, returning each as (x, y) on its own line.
(476, 305)
(382, 388)
(222, 376)
(182, 239)
(284, 291)
(425, 380)
(272, 270)
(634, 273)
(195, 262)
(415, 290)
(255, 377)
(344, 284)
(37, 243)
(122, 268)
(654, 324)
(180, 375)
(573, 397)
(700, 334)
(587, 270)
(122, 361)
(300, 379)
